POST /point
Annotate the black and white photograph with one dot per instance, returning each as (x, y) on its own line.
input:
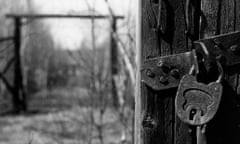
(119, 72)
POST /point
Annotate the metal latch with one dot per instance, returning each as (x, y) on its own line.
(225, 47)
(165, 72)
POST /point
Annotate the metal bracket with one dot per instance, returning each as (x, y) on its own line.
(225, 47)
(166, 72)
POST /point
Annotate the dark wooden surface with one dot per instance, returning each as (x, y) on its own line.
(222, 17)
(156, 121)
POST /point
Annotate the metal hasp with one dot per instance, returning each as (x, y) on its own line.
(166, 72)
(225, 47)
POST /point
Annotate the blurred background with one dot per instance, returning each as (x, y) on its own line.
(67, 80)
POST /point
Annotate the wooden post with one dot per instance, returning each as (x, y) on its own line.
(155, 121)
(221, 17)
(114, 60)
(19, 100)
(113, 49)
(160, 31)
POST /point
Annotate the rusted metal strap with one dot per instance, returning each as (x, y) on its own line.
(225, 47)
(166, 72)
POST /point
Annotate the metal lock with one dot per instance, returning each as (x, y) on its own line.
(196, 103)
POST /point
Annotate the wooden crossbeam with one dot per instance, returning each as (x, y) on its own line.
(3, 39)
(41, 16)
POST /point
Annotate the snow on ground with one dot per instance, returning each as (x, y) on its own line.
(64, 118)
(64, 127)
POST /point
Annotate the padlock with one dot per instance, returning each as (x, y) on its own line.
(196, 103)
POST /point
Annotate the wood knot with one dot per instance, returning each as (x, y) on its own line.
(149, 123)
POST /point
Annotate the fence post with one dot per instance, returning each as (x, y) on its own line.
(19, 100)
(114, 66)
(161, 31)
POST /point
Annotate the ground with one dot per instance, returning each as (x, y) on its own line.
(59, 126)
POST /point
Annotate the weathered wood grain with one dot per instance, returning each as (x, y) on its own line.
(155, 119)
(221, 17)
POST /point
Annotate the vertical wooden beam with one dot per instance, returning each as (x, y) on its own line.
(114, 60)
(19, 99)
(155, 119)
(236, 81)
(218, 17)
(114, 50)
(137, 109)
(211, 15)
(185, 134)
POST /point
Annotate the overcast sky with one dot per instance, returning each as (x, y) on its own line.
(70, 33)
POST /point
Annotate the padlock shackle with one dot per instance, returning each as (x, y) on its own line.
(221, 72)
(192, 69)
(219, 65)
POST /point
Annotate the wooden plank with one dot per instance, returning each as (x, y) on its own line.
(227, 16)
(19, 97)
(236, 81)
(25, 15)
(152, 116)
(155, 119)
(185, 134)
(4, 39)
(137, 105)
(210, 18)
(221, 18)
(217, 17)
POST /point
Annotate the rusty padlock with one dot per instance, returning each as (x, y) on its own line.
(196, 103)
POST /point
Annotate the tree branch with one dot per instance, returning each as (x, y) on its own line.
(9, 63)
(7, 84)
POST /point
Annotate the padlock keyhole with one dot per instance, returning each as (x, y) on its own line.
(193, 112)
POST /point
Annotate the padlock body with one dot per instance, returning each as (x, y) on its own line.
(193, 96)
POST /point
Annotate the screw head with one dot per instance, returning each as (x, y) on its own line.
(161, 63)
(163, 80)
(235, 48)
(175, 73)
(150, 73)
(216, 41)
(165, 68)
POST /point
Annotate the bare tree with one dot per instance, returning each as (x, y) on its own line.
(100, 83)
(128, 68)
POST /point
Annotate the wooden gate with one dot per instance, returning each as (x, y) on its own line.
(167, 27)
